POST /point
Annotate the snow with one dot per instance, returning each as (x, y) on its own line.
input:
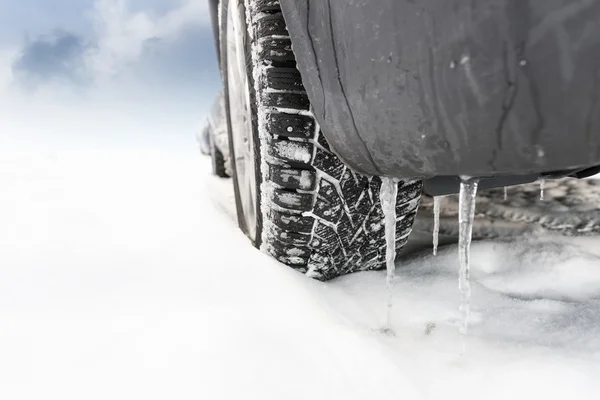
(123, 276)
(296, 151)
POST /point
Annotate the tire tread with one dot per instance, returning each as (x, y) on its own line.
(320, 217)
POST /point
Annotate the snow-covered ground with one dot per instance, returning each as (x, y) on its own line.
(123, 276)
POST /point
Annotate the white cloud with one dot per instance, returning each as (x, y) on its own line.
(123, 35)
(119, 37)
(119, 110)
(6, 61)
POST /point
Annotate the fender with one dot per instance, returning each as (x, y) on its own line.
(442, 88)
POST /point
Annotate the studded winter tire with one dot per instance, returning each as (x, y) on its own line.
(295, 199)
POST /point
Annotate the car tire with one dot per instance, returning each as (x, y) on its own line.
(309, 211)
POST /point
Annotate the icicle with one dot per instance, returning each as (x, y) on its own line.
(542, 187)
(387, 195)
(466, 214)
(505, 193)
(436, 223)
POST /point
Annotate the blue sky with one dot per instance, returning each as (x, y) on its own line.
(104, 72)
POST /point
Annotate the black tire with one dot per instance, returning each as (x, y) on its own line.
(314, 213)
(218, 160)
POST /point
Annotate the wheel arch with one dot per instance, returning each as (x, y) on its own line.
(400, 91)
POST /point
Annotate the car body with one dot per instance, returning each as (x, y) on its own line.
(497, 89)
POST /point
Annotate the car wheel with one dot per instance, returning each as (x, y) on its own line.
(295, 198)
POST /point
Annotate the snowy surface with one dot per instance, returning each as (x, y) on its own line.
(123, 276)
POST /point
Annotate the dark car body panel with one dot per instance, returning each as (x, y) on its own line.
(428, 88)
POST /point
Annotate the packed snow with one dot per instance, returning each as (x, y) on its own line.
(123, 276)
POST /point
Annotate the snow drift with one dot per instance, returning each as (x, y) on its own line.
(124, 276)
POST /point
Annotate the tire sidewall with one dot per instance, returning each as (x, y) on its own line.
(257, 240)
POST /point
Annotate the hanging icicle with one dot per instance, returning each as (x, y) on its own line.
(466, 215)
(387, 195)
(436, 223)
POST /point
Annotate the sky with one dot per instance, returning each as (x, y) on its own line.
(104, 73)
